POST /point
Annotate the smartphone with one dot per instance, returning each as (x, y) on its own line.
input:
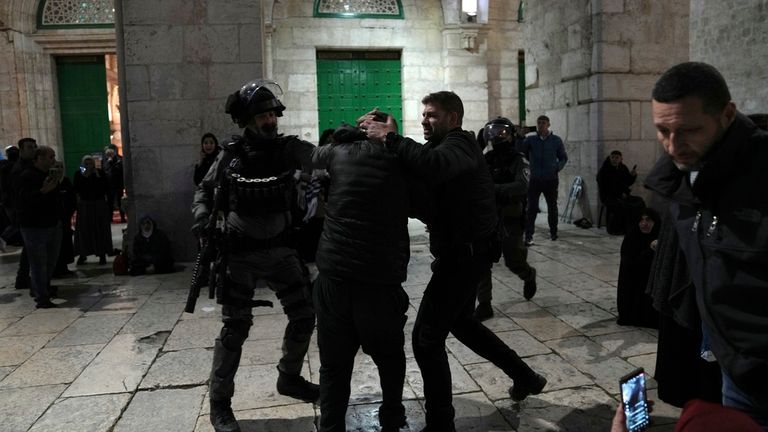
(634, 400)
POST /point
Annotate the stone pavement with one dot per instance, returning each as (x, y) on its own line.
(119, 354)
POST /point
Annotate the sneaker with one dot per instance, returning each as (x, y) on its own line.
(519, 392)
(529, 286)
(483, 311)
(529, 241)
(297, 387)
(222, 417)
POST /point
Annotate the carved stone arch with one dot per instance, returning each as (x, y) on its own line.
(18, 15)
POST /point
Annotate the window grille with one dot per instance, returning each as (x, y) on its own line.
(359, 9)
(76, 13)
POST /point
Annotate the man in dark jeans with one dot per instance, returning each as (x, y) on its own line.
(27, 147)
(459, 210)
(546, 153)
(362, 259)
(39, 211)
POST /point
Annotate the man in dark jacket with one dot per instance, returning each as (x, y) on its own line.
(546, 152)
(460, 213)
(362, 260)
(39, 211)
(255, 174)
(27, 147)
(510, 173)
(714, 173)
(113, 168)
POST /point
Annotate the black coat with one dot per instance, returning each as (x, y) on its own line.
(613, 182)
(634, 305)
(365, 236)
(722, 224)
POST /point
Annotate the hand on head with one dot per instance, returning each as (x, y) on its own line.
(377, 130)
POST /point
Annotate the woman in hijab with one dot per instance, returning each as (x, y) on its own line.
(209, 149)
(637, 250)
(93, 234)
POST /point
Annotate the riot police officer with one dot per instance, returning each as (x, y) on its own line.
(255, 175)
(510, 172)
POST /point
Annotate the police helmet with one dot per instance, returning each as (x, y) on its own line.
(11, 152)
(498, 130)
(254, 97)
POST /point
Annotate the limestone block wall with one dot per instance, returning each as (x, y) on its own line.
(505, 39)
(592, 65)
(732, 35)
(181, 59)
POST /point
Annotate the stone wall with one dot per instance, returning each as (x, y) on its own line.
(591, 65)
(181, 59)
(732, 35)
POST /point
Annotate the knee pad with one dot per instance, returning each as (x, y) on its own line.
(300, 330)
(234, 334)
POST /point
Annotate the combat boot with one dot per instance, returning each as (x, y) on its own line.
(297, 387)
(222, 417)
(529, 286)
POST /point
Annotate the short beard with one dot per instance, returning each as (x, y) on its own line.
(267, 131)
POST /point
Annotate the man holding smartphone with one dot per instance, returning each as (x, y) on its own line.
(38, 211)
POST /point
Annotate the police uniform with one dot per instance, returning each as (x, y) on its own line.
(255, 174)
(510, 172)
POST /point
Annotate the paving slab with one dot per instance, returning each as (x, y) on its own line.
(19, 408)
(365, 417)
(180, 408)
(154, 317)
(193, 333)
(89, 413)
(190, 367)
(14, 350)
(52, 366)
(287, 418)
(42, 323)
(89, 330)
(117, 304)
(118, 368)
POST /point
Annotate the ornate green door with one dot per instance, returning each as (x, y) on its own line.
(83, 106)
(353, 83)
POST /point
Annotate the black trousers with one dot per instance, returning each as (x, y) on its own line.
(535, 188)
(351, 315)
(515, 257)
(447, 306)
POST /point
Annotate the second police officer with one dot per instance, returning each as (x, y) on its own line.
(255, 174)
(510, 172)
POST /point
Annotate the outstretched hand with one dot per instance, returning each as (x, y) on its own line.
(377, 131)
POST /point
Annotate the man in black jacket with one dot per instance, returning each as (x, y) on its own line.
(362, 260)
(460, 213)
(39, 211)
(27, 147)
(714, 174)
(613, 182)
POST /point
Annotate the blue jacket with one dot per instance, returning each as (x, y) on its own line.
(547, 156)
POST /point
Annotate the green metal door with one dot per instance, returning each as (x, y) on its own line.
(353, 83)
(83, 106)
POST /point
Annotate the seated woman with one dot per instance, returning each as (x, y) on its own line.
(613, 184)
(637, 250)
(150, 247)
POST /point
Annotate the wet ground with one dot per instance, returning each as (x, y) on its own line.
(119, 354)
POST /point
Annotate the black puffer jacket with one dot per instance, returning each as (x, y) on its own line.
(365, 236)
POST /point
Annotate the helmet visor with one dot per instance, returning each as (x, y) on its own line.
(249, 89)
(497, 132)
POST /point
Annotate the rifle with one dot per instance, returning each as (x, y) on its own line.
(213, 241)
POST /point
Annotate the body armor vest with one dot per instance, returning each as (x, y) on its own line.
(258, 181)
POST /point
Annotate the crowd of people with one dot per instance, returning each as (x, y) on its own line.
(693, 267)
(53, 217)
(478, 197)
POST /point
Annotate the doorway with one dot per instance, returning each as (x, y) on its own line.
(351, 83)
(83, 106)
